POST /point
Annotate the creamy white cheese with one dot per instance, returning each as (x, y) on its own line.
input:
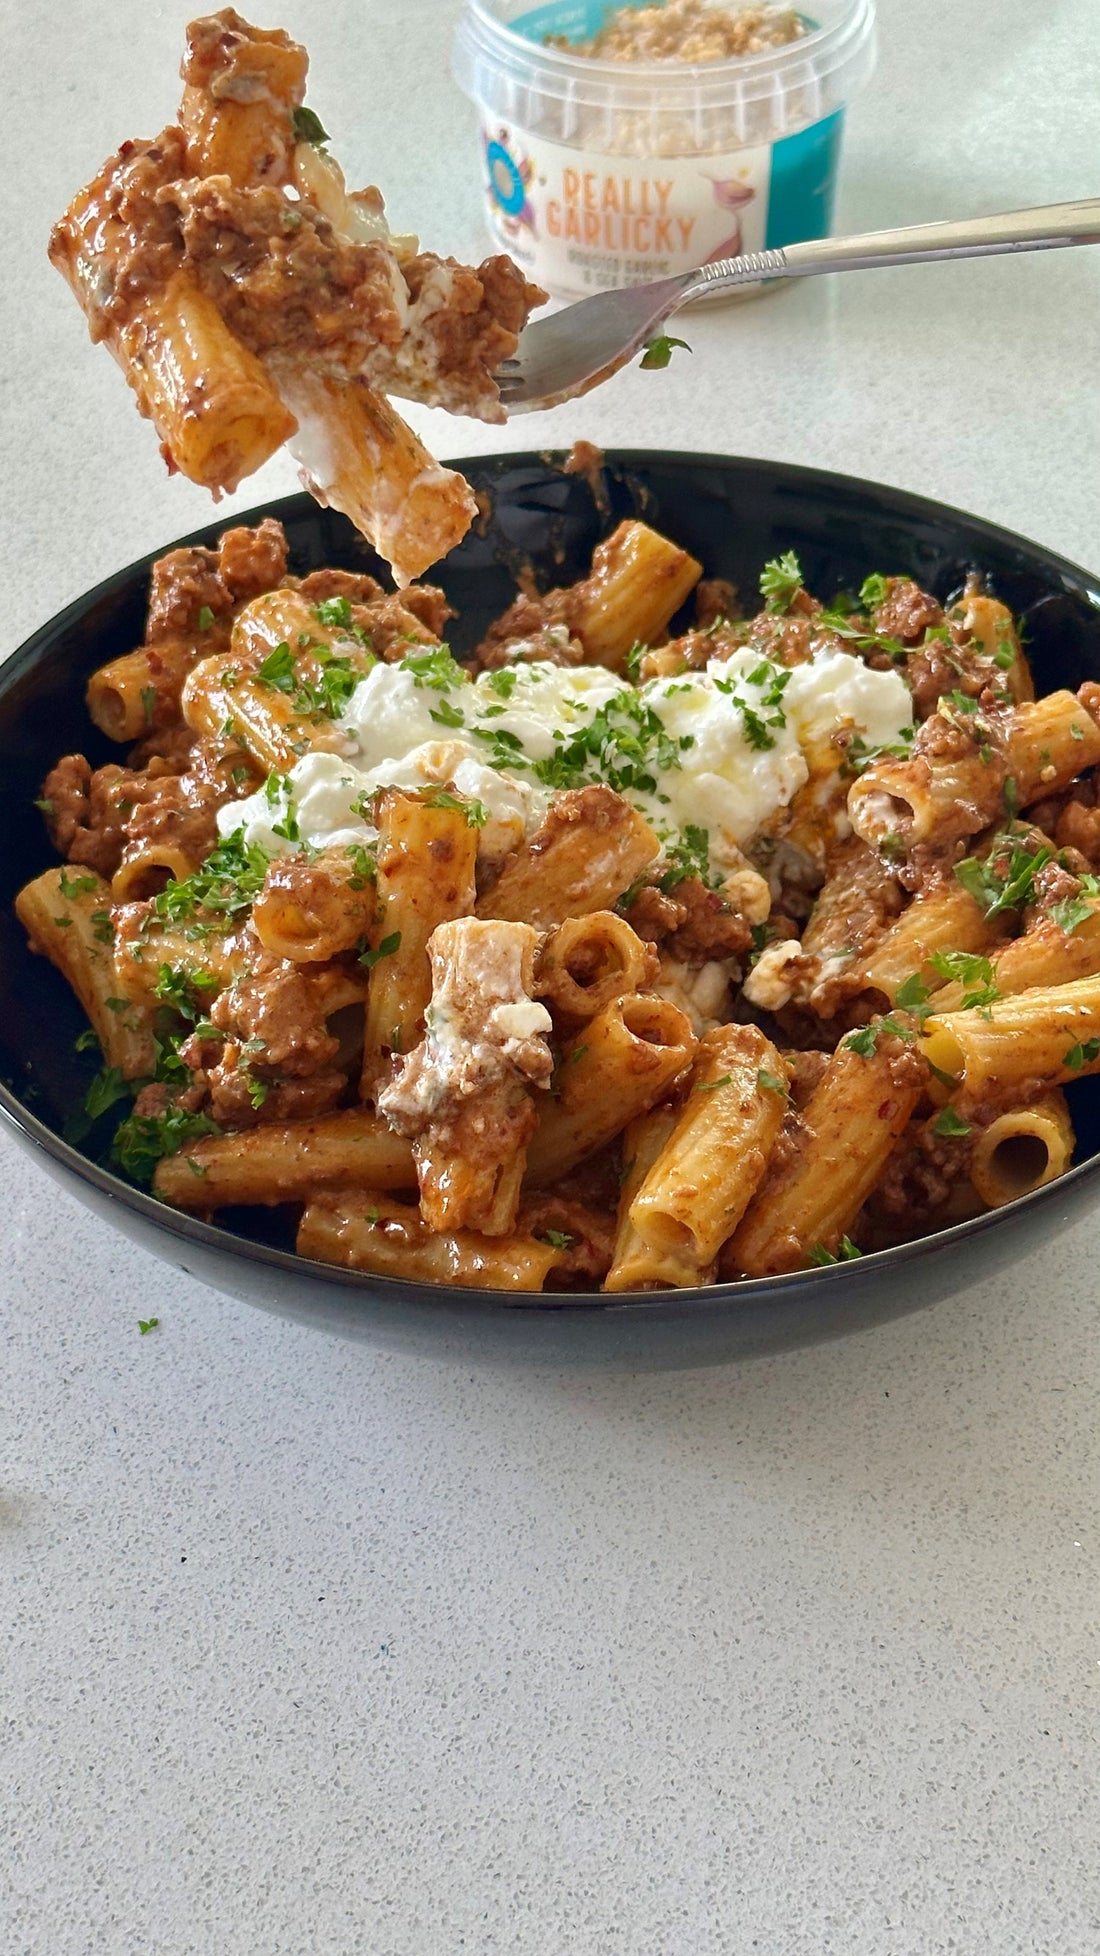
(837, 686)
(722, 750)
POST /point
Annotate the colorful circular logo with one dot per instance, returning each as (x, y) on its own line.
(505, 182)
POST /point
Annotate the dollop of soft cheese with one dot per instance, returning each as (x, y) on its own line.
(836, 687)
(739, 755)
(721, 750)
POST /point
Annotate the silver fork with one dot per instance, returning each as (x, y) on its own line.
(574, 350)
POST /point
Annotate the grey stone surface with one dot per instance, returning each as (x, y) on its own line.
(313, 1650)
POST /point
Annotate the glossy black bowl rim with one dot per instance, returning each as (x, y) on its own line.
(640, 1304)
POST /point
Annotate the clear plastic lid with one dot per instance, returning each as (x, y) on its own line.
(656, 108)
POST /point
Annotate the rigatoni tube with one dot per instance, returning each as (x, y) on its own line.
(698, 1189)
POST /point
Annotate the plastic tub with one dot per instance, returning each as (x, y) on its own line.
(602, 173)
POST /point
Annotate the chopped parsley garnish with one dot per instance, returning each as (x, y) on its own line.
(435, 667)
(835, 622)
(206, 618)
(1082, 1055)
(1074, 910)
(278, 789)
(446, 714)
(308, 127)
(44, 803)
(874, 591)
(865, 1041)
(1005, 879)
(912, 995)
(327, 695)
(624, 744)
(228, 883)
(860, 754)
(144, 1139)
(658, 351)
(762, 935)
(86, 1041)
(475, 812)
(688, 856)
(771, 1083)
(363, 865)
(368, 959)
(148, 703)
(949, 1124)
(106, 1089)
(557, 1239)
(757, 724)
(278, 669)
(334, 612)
(147, 1324)
(968, 970)
(103, 929)
(781, 581)
(845, 1251)
(177, 988)
(756, 730)
(503, 683)
(74, 886)
(710, 1086)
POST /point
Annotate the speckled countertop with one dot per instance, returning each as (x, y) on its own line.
(313, 1650)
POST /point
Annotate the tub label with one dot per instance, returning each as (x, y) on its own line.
(569, 20)
(584, 221)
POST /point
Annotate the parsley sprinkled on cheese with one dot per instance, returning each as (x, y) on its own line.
(435, 667)
(706, 757)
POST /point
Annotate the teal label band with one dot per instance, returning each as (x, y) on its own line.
(802, 190)
(572, 20)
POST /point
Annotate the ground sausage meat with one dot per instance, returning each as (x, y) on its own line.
(693, 923)
(587, 1255)
(906, 612)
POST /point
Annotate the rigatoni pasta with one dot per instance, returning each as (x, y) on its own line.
(251, 300)
(459, 962)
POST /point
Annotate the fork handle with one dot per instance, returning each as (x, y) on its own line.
(982, 237)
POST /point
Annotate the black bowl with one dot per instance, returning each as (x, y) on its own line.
(731, 514)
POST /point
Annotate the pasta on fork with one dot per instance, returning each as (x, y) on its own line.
(252, 300)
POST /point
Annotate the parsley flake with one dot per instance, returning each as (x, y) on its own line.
(949, 1124)
(845, 1252)
(968, 970)
(75, 886)
(658, 351)
(435, 667)
(557, 1239)
(475, 812)
(368, 959)
(308, 127)
(771, 1083)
